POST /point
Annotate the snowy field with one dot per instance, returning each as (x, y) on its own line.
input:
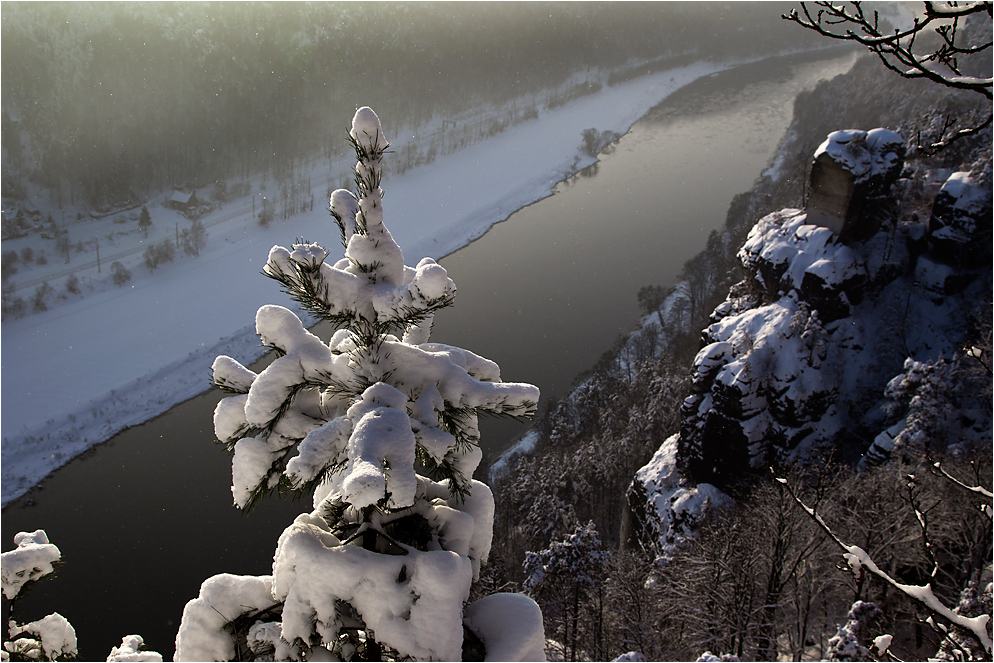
(75, 375)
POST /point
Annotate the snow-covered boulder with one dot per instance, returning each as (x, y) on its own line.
(785, 252)
(938, 279)
(959, 229)
(667, 507)
(850, 168)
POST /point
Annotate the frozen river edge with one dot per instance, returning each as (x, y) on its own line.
(77, 375)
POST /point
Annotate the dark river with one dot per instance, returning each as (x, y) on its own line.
(143, 519)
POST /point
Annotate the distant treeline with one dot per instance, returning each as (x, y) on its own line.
(104, 102)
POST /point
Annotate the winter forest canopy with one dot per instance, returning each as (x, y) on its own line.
(108, 102)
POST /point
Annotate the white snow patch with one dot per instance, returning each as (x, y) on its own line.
(510, 626)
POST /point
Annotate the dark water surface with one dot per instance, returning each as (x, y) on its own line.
(143, 519)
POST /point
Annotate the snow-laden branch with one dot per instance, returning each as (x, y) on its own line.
(976, 490)
(896, 50)
(858, 559)
(33, 558)
(952, 10)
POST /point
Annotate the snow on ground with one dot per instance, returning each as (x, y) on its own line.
(77, 374)
(501, 467)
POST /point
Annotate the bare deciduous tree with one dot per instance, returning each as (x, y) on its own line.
(897, 50)
(913, 52)
(966, 633)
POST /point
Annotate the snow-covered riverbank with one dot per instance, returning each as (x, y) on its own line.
(75, 375)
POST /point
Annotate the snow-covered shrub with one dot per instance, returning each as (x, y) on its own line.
(194, 238)
(131, 651)
(379, 427)
(40, 296)
(594, 141)
(51, 638)
(159, 254)
(119, 274)
(72, 284)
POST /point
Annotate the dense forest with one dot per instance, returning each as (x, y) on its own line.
(104, 104)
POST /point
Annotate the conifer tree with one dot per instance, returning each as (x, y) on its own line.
(51, 638)
(379, 427)
(566, 575)
(145, 220)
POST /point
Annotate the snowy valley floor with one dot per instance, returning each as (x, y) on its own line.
(77, 374)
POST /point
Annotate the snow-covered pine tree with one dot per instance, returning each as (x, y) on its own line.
(383, 565)
(51, 638)
(565, 575)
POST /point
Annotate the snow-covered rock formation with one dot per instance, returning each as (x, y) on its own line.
(796, 362)
(959, 229)
(850, 169)
(674, 507)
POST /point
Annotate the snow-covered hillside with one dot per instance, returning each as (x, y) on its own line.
(84, 370)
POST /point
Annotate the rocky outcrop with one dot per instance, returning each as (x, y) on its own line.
(796, 360)
(664, 509)
(851, 169)
(785, 252)
(765, 382)
(959, 230)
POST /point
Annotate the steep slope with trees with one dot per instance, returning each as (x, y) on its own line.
(826, 372)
